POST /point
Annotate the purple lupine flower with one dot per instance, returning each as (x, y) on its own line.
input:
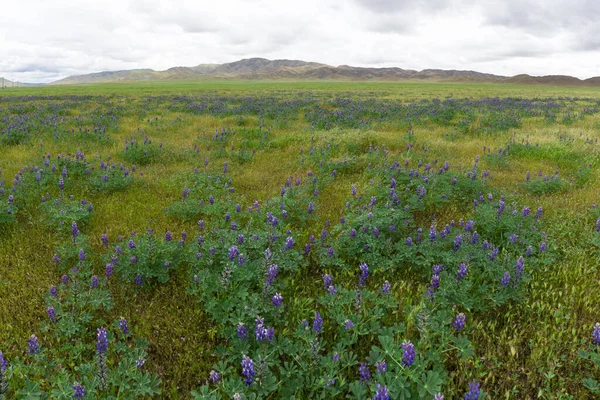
(104, 240)
(364, 274)
(538, 213)
(271, 274)
(56, 259)
(289, 243)
(330, 252)
(408, 357)
(327, 280)
(318, 323)
(438, 396)
(381, 367)
(432, 233)
(505, 281)
(501, 206)
(123, 326)
(311, 207)
(81, 255)
(214, 377)
(385, 289)
(248, 370)
(409, 242)
(543, 247)
(348, 324)
(78, 391)
(94, 281)
(3, 363)
(233, 253)
(131, 244)
(353, 233)
(458, 242)
(492, 256)
(225, 167)
(526, 211)
(33, 344)
(363, 372)
(102, 342)
(133, 259)
(473, 393)
(462, 272)
(260, 329)
(277, 300)
(381, 393)
(109, 270)
(51, 313)
(474, 238)
(53, 291)
(519, 267)
(331, 289)
(596, 334)
(139, 363)
(138, 280)
(168, 236)
(335, 357)
(211, 199)
(353, 190)
(61, 184)
(242, 332)
(598, 225)
(74, 230)
(459, 322)
(469, 226)
(64, 279)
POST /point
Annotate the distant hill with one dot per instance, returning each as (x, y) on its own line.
(11, 84)
(263, 69)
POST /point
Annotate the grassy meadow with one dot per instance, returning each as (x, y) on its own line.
(131, 150)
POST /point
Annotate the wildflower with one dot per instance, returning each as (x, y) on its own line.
(318, 323)
(364, 274)
(123, 326)
(505, 281)
(64, 279)
(432, 233)
(51, 313)
(53, 291)
(277, 300)
(271, 274)
(311, 208)
(289, 243)
(242, 332)
(408, 357)
(102, 342)
(513, 238)
(81, 255)
(363, 372)
(596, 334)
(385, 289)
(34, 347)
(327, 280)
(381, 393)
(459, 322)
(139, 363)
(214, 376)
(233, 253)
(79, 391)
(519, 267)
(3, 363)
(539, 212)
(462, 272)
(438, 396)
(409, 242)
(94, 281)
(74, 230)
(474, 238)
(381, 367)
(473, 393)
(248, 370)
(543, 247)
(349, 324)
(138, 280)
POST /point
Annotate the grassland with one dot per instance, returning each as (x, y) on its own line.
(523, 349)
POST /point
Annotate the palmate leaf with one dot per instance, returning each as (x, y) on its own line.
(432, 383)
(592, 385)
(464, 346)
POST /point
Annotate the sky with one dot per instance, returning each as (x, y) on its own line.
(45, 40)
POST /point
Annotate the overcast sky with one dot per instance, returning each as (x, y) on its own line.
(45, 40)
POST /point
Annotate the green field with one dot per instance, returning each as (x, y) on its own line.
(525, 344)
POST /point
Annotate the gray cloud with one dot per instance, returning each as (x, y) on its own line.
(509, 37)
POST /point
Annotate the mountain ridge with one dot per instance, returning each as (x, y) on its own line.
(283, 69)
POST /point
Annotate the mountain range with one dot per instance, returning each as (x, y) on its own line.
(296, 70)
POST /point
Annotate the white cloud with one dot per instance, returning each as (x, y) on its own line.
(47, 40)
